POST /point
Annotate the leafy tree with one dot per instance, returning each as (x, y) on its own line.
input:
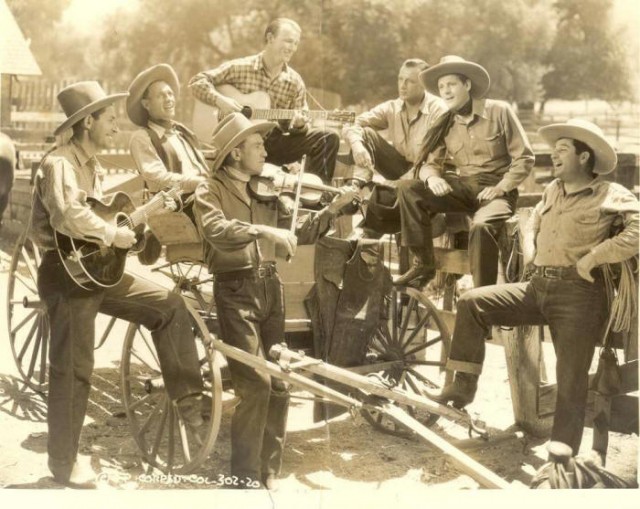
(587, 58)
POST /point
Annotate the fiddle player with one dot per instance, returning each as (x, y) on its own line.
(242, 238)
(269, 71)
(67, 176)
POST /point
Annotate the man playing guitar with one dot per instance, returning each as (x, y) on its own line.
(269, 71)
(66, 179)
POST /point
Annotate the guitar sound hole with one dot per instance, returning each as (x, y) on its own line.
(246, 111)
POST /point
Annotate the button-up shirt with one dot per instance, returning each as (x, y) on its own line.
(226, 222)
(566, 226)
(405, 135)
(153, 169)
(66, 178)
(493, 141)
(249, 74)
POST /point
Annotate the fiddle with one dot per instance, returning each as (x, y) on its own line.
(272, 184)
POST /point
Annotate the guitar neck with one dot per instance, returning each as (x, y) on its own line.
(259, 114)
(140, 215)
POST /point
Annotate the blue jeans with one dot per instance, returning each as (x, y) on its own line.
(72, 311)
(575, 311)
(251, 317)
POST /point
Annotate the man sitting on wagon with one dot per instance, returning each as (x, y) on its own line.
(242, 238)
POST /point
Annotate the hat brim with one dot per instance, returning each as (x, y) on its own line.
(88, 110)
(161, 72)
(263, 128)
(606, 157)
(480, 79)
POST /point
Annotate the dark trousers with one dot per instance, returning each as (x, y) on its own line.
(575, 311)
(417, 203)
(72, 312)
(319, 145)
(251, 317)
(386, 159)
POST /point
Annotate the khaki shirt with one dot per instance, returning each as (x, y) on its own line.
(64, 181)
(405, 136)
(566, 226)
(225, 220)
(493, 141)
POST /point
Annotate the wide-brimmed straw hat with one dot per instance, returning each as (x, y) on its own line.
(233, 130)
(589, 134)
(452, 64)
(81, 99)
(160, 72)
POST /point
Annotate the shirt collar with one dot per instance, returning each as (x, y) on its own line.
(478, 108)
(259, 65)
(424, 105)
(159, 130)
(237, 174)
(81, 154)
(591, 186)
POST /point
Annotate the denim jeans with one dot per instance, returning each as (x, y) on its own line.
(251, 317)
(387, 161)
(575, 311)
(72, 312)
(417, 203)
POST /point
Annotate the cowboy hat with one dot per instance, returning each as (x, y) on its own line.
(589, 134)
(452, 64)
(161, 72)
(233, 130)
(81, 99)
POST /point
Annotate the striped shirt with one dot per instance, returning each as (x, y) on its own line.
(249, 74)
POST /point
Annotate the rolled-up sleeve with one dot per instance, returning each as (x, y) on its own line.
(222, 233)
(66, 203)
(376, 118)
(202, 84)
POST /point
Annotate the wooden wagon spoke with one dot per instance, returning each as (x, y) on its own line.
(44, 333)
(406, 318)
(35, 352)
(394, 317)
(171, 435)
(22, 323)
(184, 440)
(414, 332)
(156, 410)
(27, 283)
(30, 267)
(160, 429)
(27, 341)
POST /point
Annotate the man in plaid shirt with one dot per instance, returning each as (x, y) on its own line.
(269, 71)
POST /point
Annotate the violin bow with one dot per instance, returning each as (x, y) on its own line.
(296, 203)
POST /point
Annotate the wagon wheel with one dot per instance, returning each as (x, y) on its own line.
(159, 431)
(27, 318)
(414, 334)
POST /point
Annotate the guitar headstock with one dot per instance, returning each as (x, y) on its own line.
(342, 116)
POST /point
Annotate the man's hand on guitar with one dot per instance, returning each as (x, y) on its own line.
(124, 238)
(169, 202)
(299, 119)
(227, 105)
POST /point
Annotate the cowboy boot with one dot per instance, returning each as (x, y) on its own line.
(460, 392)
(420, 272)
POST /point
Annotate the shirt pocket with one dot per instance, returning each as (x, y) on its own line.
(494, 144)
(455, 152)
(586, 225)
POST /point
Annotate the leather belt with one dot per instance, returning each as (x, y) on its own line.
(551, 272)
(262, 272)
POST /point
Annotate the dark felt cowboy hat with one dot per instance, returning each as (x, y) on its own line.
(81, 99)
(589, 134)
(452, 64)
(233, 130)
(161, 72)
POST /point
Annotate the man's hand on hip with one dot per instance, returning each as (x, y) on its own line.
(585, 265)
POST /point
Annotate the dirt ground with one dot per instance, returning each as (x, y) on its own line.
(346, 456)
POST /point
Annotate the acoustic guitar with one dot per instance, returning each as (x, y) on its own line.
(256, 106)
(93, 265)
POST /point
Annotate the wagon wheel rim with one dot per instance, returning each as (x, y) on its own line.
(27, 320)
(163, 439)
(416, 338)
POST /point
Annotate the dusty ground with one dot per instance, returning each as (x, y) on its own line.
(344, 456)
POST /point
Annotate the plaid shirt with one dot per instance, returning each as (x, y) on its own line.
(248, 74)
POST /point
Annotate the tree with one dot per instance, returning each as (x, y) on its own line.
(587, 59)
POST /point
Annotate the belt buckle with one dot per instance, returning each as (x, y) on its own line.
(553, 272)
(263, 272)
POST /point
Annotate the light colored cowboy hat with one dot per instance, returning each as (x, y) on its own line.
(160, 72)
(452, 64)
(81, 99)
(589, 134)
(233, 130)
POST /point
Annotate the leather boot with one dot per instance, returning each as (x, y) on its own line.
(420, 272)
(460, 392)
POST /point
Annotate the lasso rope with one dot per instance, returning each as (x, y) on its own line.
(623, 300)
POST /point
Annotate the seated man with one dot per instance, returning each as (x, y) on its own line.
(166, 153)
(486, 143)
(568, 238)
(242, 238)
(407, 120)
(269, 72)
(66, 178)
